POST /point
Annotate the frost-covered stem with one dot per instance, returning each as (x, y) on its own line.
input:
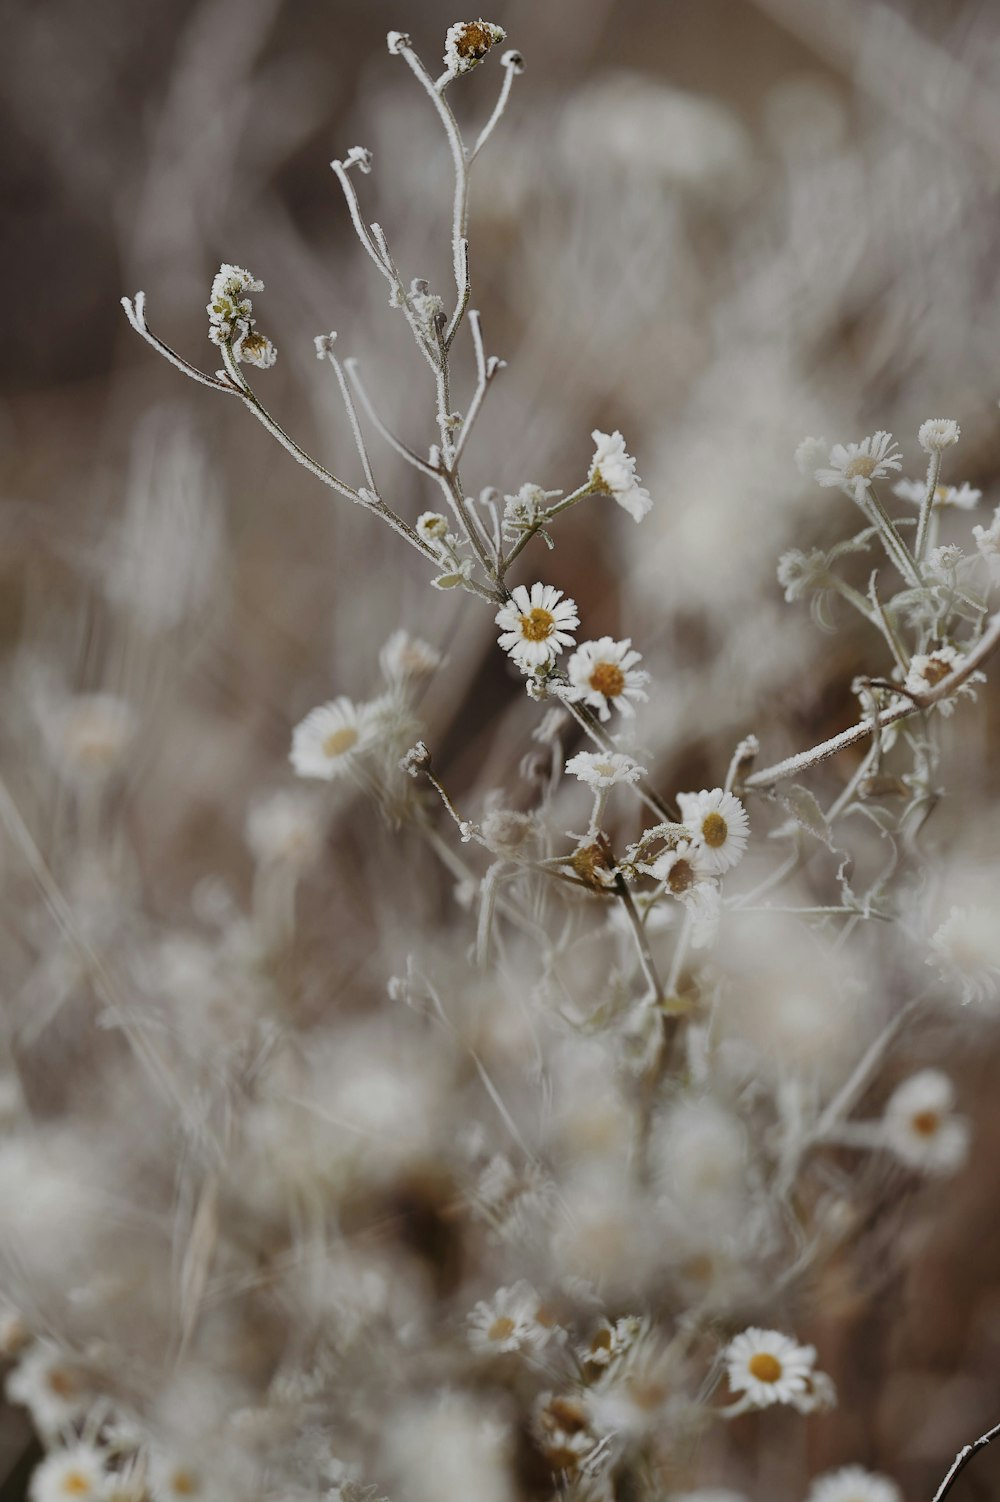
(375, 505)
(881, 619)
(363, 232)
(485, 374)
(460, 161)
(641, 942)
(352, 417)
(587, 722)
(805, 759)
(680, 954)
(351, 366)
(546, 516)
(512, 65)
(846, 1097)
(853, 596)
(587, 488)
(926, 505)
(962, 1460)
(896, 550)
(135, 312)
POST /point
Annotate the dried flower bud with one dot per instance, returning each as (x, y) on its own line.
(468, 42)
(416, 760)
(396, 41)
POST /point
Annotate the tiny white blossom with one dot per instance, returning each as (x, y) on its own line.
(852, 1483)
(74, 1474)
(324, 344)
(967, 947)
(535, 626)
(938, 433)
(468, 42)
(928, 669)
(603, 674)
(612, 471)
(919, 1126)
(331, 738)
(768, 1367)
(853, 466)
(509, 1321)
(718, 822)
(604, 769)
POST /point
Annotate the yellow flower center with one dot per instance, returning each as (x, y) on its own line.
(861, 467)
(501, 1328)
(714, 830)
(941, 493)
(75, 1484)
(184, 1483)
(765, 1367)
(538, 625)
(339, 741)
(926, 1123)
(61, 1382)
(607, 679)
(681, 876)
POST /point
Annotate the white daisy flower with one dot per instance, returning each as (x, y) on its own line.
(718, 822)
(330, 739)
(405, 657)
(604, 769)
(467, 43)
(928, 669)
(967, 946)
(536, 626)
(965, 497)
(50, 1386)
(820, 1393)
(852, 1483)
(681, 868)
(89, 735)
(938, 433)
(512, 1320)
(603, 674)
(853, 466)
(76, 1474)
(612, 471)
(768, 1367)
(285, 828)
(919, 1127)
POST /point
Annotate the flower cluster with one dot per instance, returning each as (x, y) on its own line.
(230, 317)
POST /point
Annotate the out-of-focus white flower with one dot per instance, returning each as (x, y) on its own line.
(853, 466)
(963, 496)
(535, 626)
(405, 657)
(88, 735)
(967, 946)
(820, 1394)
(681, 867)
(447, 1449)
(810, 455)
(704, 904)
(561, 1424)
(768, 1367)
(938, 433)
(852, 1483)
(718, 823)
(468, 42)
(75, 1474)
(710, 1494)
(603, 674)
(331, 738)
(919, 1127)
(50, 1385)
(988, 539)
(512, 1320)
(610, 1341)
(604, 769)
(612, 471)
(699, 1154)
(285, 828)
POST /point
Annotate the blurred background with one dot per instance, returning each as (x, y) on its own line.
(718, 227)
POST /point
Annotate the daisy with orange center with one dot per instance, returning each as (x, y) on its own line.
(767, 1367)
(514, 1319)
(920, 1126)
(604, 675)
(535, 626)
(719, 826)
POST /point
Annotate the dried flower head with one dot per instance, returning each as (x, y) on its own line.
(468, 42)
